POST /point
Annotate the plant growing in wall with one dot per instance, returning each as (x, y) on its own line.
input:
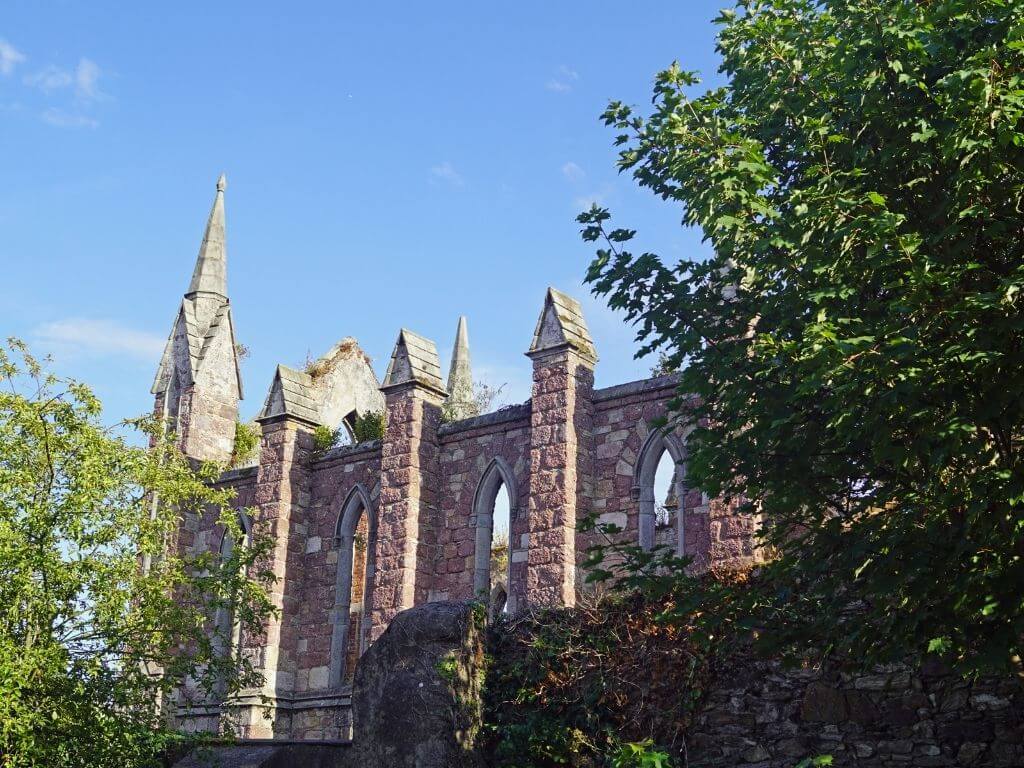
(640, 754)
(325, 438)
(247, 443)
(854, 335)
(484, 399)
(368, 426)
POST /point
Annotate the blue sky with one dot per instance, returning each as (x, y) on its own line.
(388, 165)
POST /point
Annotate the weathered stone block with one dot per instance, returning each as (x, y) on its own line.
(416, 692)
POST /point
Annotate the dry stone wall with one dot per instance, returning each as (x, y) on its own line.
(759, 715)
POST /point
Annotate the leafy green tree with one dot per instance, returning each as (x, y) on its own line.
(856, 337)
(100, 617)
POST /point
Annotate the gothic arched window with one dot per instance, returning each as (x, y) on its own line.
(493, 512)
(659, 487)
(355, 536)
(227, 632)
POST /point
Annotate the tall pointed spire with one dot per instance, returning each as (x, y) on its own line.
(460, 375)
(200, 364)
(210, 275)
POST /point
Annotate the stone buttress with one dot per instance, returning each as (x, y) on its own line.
(410, 479)
(561, 424)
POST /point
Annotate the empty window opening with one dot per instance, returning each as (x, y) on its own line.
(355, 537)
(347, 430)
(227, 632)
(356, 609)
(659, 486)
(493, 512)
(666, 504)
(500, 552)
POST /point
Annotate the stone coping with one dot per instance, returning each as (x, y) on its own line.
(348, 451)
(500, 416)
(641, 386)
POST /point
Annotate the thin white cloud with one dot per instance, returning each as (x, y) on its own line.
(81, 337)
(49, 79)
(446, 172)
(573, 172)
(61, 118)
(85, 80)
(10, 57)
(563, 80)
(87, 75)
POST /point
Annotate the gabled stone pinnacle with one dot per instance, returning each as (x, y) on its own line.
(460, 375)
(561, 325)
(414, 360)
(210, 275)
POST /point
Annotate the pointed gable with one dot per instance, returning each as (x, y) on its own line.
(414, 360)
(222, 323)
(561, 324)
(291, 394)
(184, 342)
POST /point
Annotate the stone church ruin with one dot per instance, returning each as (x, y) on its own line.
(366, 530)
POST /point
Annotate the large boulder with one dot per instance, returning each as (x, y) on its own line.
(416, 695)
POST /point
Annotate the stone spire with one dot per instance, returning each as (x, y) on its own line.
(199, 381)
(460, 376)
(210, 275)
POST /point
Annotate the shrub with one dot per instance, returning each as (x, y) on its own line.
(325, 438)
(579, 686)
(368, 426)
(247, 441)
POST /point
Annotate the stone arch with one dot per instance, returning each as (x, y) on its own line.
(357, 505)
(657, 443)
(498, 473)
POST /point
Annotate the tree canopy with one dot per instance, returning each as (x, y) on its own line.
(101, 618)
(855, 339)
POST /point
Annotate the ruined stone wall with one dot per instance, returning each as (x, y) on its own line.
(760, 716)
(199, 533)
(302, 495)
(335, 476)
(469, 450)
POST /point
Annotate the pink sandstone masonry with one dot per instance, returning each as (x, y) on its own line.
(364, 531)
